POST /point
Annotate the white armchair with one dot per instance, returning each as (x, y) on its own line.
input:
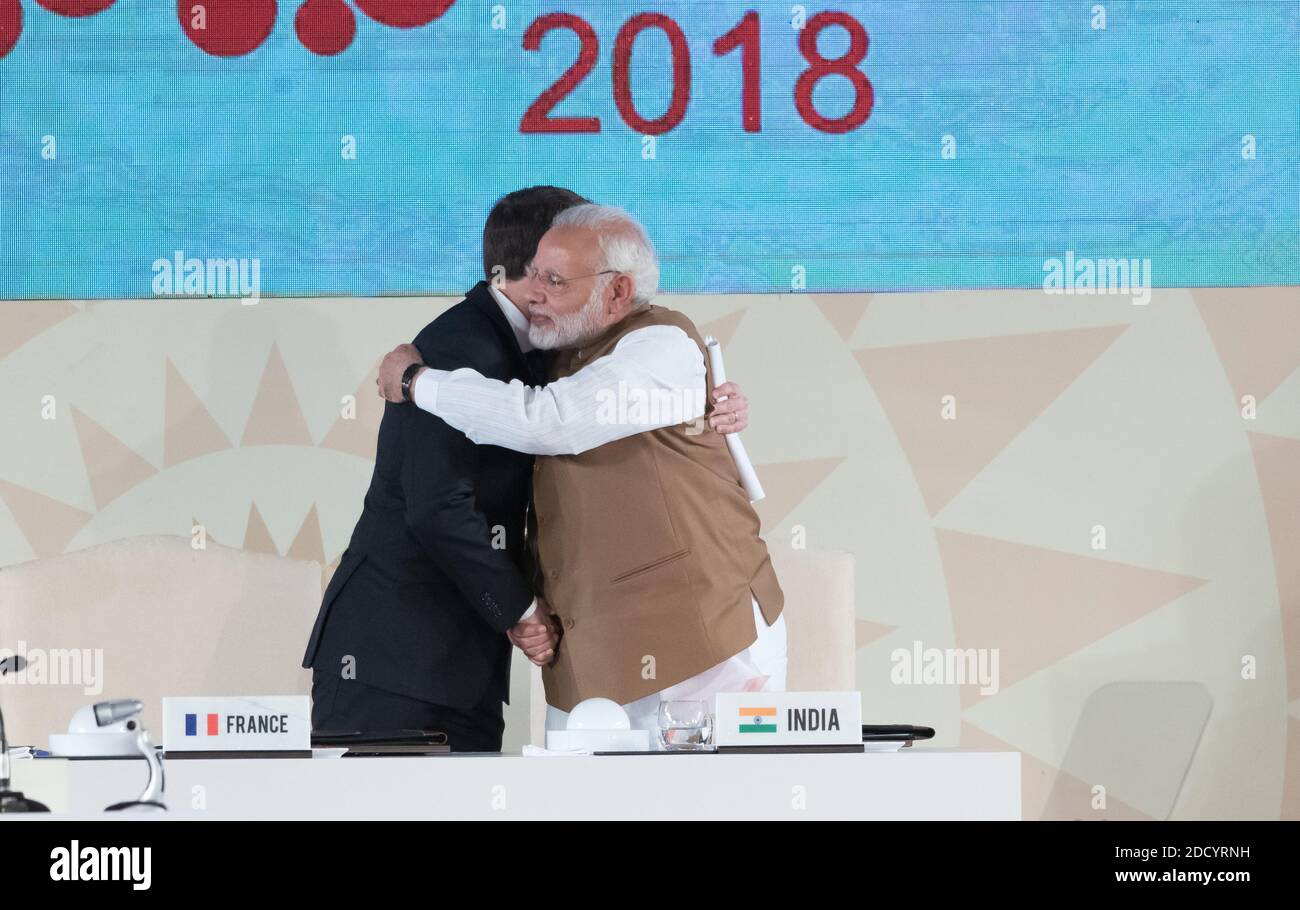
(151, 617)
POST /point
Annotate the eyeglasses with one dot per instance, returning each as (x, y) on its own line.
(556, 282)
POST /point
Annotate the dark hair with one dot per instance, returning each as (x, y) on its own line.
(516, 224)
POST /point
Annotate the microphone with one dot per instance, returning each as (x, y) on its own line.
(110, 712)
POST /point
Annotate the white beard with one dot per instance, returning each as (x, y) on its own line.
(574, 329)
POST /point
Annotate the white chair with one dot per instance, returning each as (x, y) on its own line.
(819, 618)
(162, 619)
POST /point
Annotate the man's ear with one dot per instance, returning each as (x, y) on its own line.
(621, 300)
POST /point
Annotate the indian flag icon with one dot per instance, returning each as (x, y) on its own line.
(758, 720)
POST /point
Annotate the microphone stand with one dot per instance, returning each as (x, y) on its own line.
(12, 800)
(151, 800)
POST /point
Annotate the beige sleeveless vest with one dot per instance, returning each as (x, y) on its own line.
(648, 551)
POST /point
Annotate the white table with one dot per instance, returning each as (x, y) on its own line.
(915, 783)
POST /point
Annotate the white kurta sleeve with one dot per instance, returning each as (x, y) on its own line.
(654, 377)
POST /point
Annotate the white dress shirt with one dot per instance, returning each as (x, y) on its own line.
(518, 321)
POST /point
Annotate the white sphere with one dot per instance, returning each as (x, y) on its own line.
(598, 714)
(83, 721)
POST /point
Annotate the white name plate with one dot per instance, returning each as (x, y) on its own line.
(255, 723)
(788, 719)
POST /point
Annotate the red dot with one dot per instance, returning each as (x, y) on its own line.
(76, 7)
(226, 28)
(11, 25)
(404, 13)
(325, 27)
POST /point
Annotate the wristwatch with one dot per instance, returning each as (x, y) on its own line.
(407, 378)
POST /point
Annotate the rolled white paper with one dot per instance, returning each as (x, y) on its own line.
(748, 476)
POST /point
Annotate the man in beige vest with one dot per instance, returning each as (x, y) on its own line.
(648, 550)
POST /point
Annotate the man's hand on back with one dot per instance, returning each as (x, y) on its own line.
(730, 409)
(390, 371)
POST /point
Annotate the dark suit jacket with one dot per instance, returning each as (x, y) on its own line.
(422, 598)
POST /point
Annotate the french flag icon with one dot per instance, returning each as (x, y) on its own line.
(192, 724)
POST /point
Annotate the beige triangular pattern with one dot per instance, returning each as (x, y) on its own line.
(843, 311)
(25, 319)
(207, 534)
(999, 384)
(308, 544)
(1047, 792)
(276, 418)
(257, 536)
(1291, 781)
(110, 464)
(47, 523)
(188, 428)
(722, 328)
(787, 484)
(1036, 605)
(1277, 464)
(865, 632)
(358, 434)
(1256, 332)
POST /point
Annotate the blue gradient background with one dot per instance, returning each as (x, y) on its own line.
(1123, 142)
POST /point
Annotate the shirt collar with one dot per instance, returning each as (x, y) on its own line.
(518, 321)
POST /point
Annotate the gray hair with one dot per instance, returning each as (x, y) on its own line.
(623, 241)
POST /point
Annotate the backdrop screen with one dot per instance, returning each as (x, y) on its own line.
(355, 146)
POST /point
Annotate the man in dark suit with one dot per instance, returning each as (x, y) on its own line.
(412, 630)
